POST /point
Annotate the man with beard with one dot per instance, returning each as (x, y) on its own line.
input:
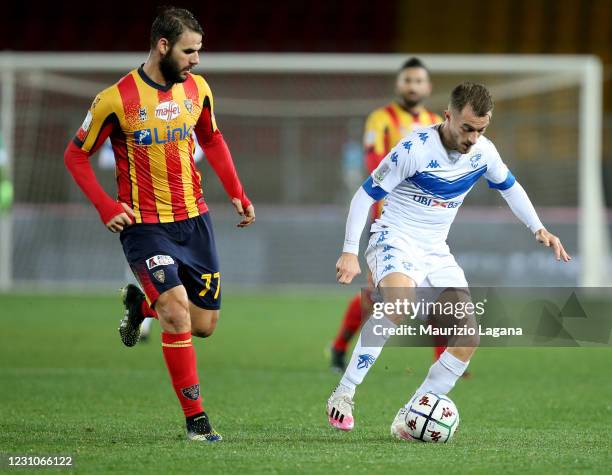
(385, 127)
(160, 213)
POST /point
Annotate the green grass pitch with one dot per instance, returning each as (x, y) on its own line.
(68, 386)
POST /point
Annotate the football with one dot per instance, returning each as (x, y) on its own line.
(432, 418)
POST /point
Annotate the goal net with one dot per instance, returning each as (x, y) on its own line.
(294, 124)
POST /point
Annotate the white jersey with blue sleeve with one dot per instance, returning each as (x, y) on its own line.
(424, 184)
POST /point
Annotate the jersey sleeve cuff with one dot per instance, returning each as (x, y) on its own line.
(351, 248)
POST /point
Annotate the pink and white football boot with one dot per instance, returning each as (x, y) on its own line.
(340, 408)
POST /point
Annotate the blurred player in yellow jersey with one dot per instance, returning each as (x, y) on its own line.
(385, 127)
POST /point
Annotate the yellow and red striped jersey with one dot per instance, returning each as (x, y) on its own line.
(387, 125)
(151, 131)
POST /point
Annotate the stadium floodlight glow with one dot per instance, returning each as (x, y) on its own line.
(547, 73)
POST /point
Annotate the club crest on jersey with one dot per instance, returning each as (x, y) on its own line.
(167, 110)
(192, 392)
(188, 105)
(142, 114)
(161, 260)
(160, 275)
(474, 160)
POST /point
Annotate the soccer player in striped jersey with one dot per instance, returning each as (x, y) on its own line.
(384, 128)
(160, 213)
(425, 178)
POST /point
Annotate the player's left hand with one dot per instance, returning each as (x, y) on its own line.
(550, 240)
(247, 214)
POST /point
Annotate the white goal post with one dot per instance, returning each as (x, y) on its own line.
(522, 73)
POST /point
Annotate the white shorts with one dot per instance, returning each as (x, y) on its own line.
(427, 265)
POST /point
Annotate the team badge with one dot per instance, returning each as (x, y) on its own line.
(192, 392)
(142, 114)
(188, 105)
(474, 160)
(160, 275)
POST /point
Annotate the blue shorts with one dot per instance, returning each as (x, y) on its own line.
(165, 255)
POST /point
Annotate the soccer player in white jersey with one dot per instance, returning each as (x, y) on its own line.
(424, 179)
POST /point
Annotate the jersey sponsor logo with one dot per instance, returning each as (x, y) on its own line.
(167, 110)
(365, 361)
(150, 136)
(423, 136)
(407, 145)
(160, 260)
(142, 114)
(87, 122)
(381, 172)
(426, 201)
(474, 160)
(188, 105)
(433, 164)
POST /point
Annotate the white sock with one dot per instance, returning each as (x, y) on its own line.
(364, 357)
(442, 375)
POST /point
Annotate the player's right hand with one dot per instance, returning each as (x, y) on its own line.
(347, 268)
(122, 220)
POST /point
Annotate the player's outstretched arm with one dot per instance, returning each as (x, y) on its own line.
(521, 206)
(347, 266)
(550, 240)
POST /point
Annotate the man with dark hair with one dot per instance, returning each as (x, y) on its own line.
(384, 128)
(166, 230)
(425, 179)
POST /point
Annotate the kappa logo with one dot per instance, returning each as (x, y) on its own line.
(387, 248)
(160, 275)
(192, 392)
(167, 110)
(388, 257)
(160, 260)
(365, 361)
(388, 268)
(407, 145)
(394, 158)
(433, 164)
(382, 237)
(423, 136)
